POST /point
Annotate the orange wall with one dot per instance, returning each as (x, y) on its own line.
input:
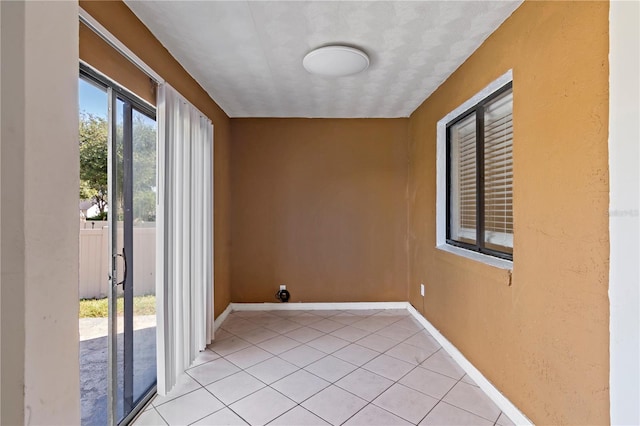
(319, 205)
(116, 17)
(97, 53)
(543, 341)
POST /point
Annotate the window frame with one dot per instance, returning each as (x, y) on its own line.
(477, 110)
(441, 172)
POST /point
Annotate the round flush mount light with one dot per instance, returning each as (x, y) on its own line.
(335, 61)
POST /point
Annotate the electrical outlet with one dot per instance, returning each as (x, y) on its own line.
(422, 290)
(283, 287)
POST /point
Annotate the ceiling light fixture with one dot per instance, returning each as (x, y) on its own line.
(335, 61)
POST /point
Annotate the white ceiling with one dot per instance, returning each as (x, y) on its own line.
(248, 54)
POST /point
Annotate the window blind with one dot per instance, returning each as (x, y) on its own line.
(480, 176)
(498, 173)
(463, 180)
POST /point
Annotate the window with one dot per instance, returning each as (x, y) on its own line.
(479, 209)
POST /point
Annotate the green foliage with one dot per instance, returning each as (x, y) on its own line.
(94, 159)
(144, 168)
(94, 153)
(99, 308)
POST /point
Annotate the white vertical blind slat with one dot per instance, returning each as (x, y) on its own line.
(184, 286)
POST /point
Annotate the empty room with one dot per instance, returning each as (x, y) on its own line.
(319, 212)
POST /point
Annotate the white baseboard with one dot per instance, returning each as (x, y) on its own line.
(223, 316)
(316, 306)
(492, 392)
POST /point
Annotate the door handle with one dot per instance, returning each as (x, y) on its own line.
(124, 257)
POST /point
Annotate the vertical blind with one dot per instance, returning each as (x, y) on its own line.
(184, 283)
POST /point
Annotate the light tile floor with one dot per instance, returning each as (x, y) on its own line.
(373, 367)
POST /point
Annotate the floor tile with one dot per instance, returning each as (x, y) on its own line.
(288, 313)
(471, 398)
(263, 406)
(375, 416)
(350, 333)
(328, 343)
(245, 358)
(362, 362)
(377, 343)
(268, 322)
(395, 332)
(298, 416)
(224, 417)
(356, 354)
(257, 335)
(346, 319)
(235, 387)
(302, 355)
(238, 325)
(228, 346)
(394, 312)
(428, 382)
(279, 344)
(306, 319)
(222, 334)
(423, 340)
(334, 405)
(305, 334)
(442, 363)
(184, 384)
(300, 385)
(405, 402)
(363, 312)
(283, 326)
(245, 314)
(150, 418)
(326, 325)
(330, 368)
(204, 356)
(468, 380)
(365, 384)
(371, 324)
(212, 371)
(410, 324)
(271, 370)
(444, 415)
(388, 367)
(411, 354)
(189, 408)
(327, 312)
(503, 420)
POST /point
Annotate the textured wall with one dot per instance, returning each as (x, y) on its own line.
(544, 340)
(319, 205)
(116, 17)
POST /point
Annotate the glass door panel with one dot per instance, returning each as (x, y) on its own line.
(132, 301)
(144, 252)
(118, 259)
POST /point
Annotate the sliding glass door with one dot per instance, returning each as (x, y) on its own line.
(132, 211)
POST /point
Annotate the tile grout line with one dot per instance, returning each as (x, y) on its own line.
(324, 333)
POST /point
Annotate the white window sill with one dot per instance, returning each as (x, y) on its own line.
(478, 257)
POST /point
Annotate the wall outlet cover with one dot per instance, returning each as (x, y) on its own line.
(421, 289)
(283, 287)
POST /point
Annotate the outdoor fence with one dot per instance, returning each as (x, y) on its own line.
(94, 260)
